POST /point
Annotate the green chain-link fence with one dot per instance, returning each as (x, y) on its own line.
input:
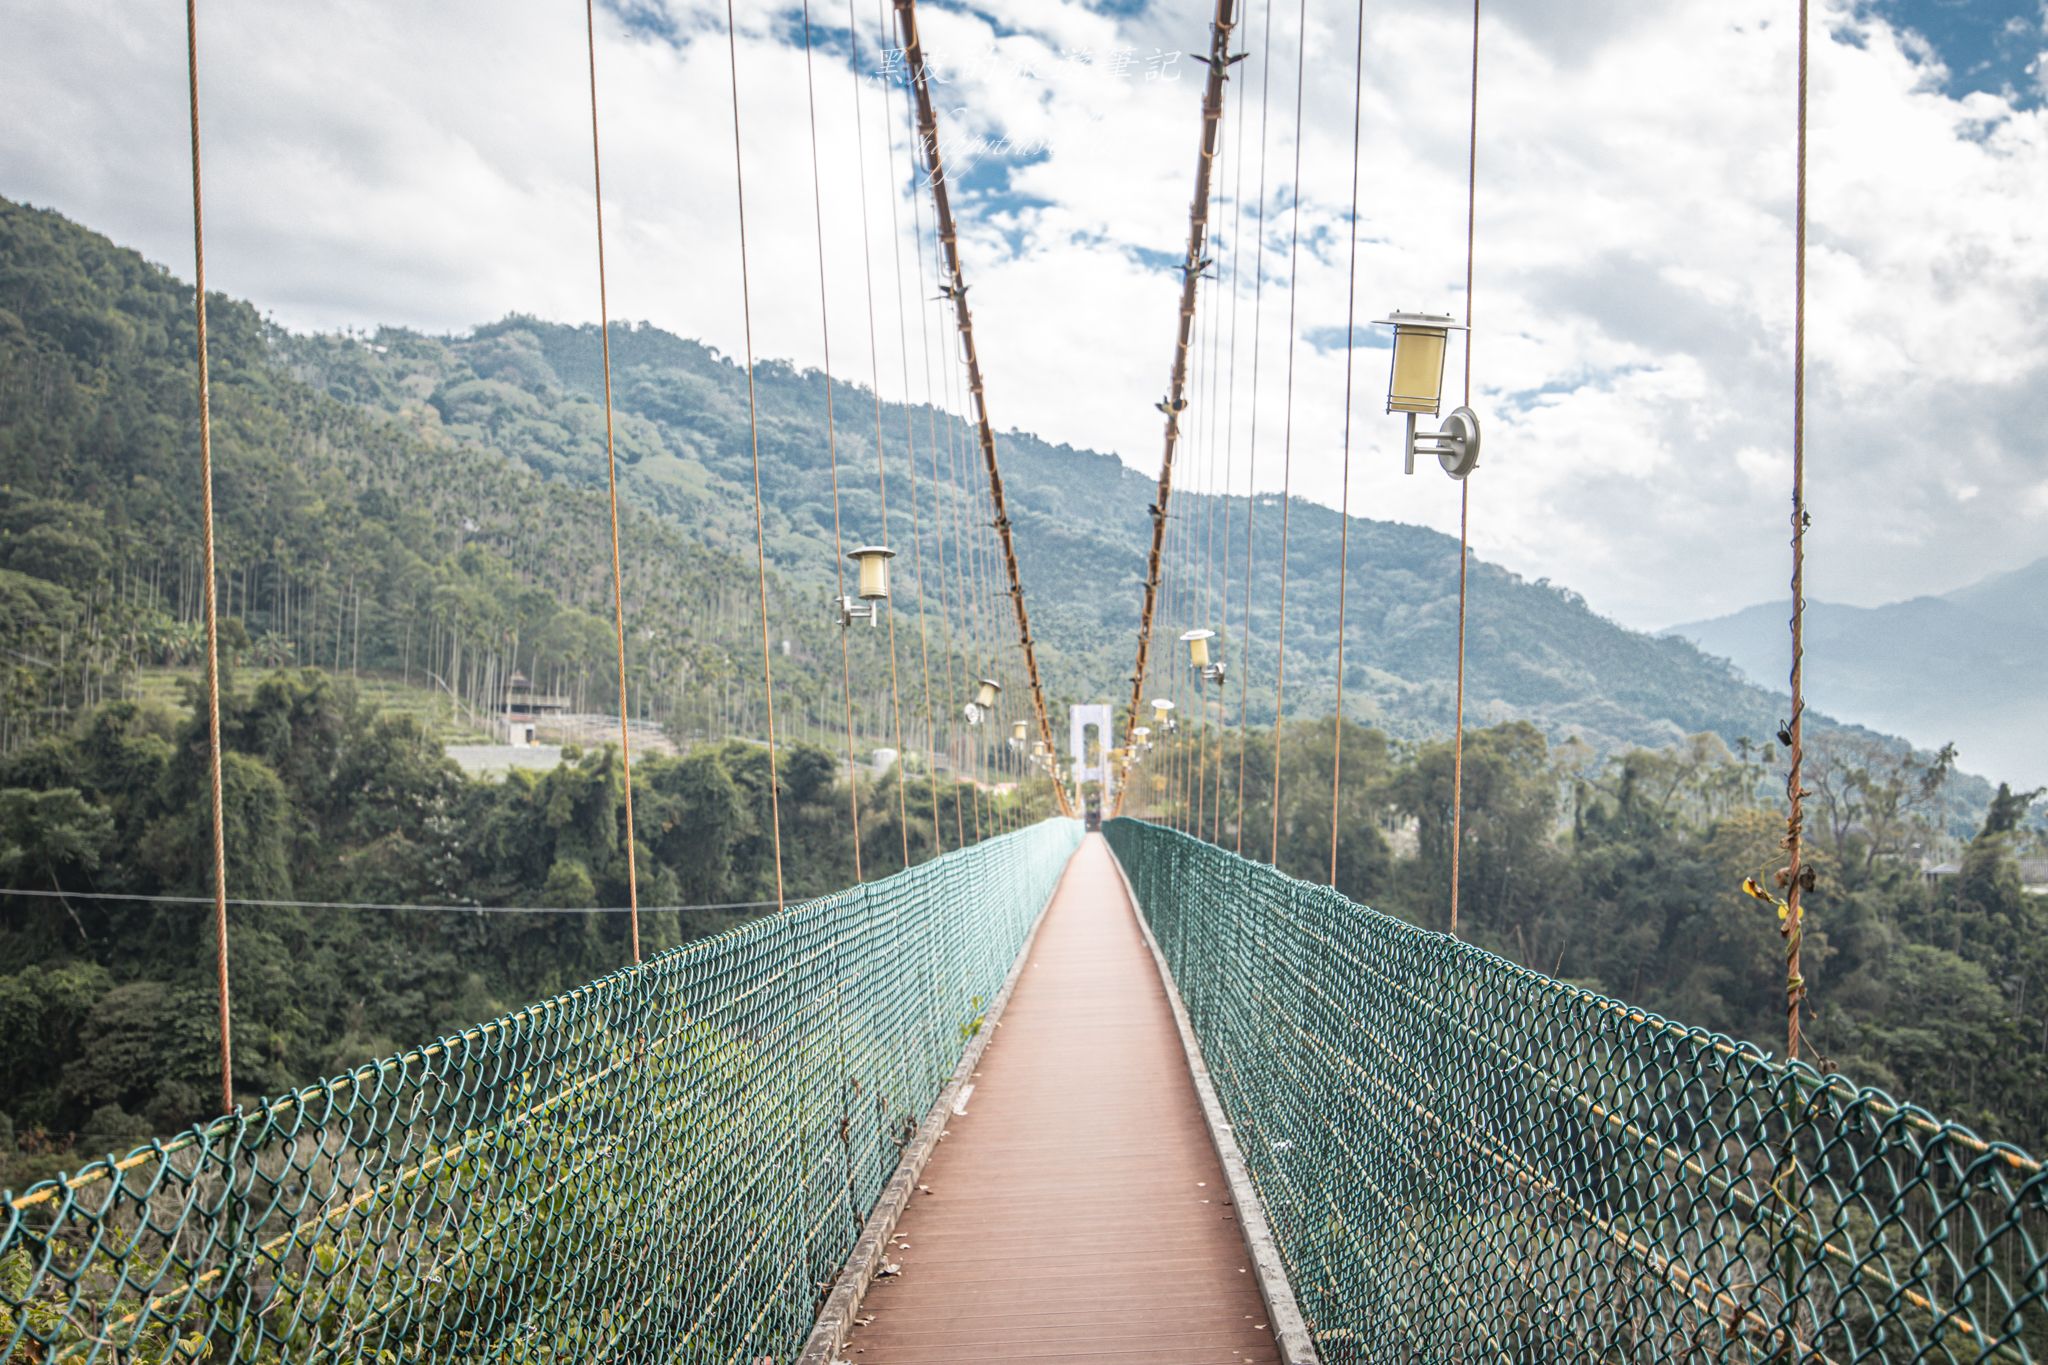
(1464, 1160)
(669, 1164)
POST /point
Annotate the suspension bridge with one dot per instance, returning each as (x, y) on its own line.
(1053, 1094)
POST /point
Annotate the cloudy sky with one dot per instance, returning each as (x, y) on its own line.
(376, 162)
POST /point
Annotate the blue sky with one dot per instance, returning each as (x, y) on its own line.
(1988, 45)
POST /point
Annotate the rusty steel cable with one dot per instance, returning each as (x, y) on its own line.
(1344, 497)
(910, 433)
(1176, 394)
(739, 176)
(1465, 486)
(213, 755)
(940, 504)
(949, 240)
(1287, 427)
(1229, 448)
(611, 469)
(1251, 463)
(832, 452)
(875, 360)
(966, 641)
(1793, 927)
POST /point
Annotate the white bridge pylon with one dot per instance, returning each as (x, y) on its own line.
(1086, 764)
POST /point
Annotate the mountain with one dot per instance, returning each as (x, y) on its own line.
(1970, 666)
(403, 501)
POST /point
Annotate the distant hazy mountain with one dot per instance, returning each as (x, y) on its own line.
(1970, 666)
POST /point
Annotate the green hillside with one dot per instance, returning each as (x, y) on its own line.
(352, 535)
(435, 504)
(1537, 652)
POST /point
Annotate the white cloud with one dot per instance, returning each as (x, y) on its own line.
(374, 162)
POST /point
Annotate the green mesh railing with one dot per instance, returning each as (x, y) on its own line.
(669, 1164)
(1464, 1160)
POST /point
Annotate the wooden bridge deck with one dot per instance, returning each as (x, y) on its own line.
(1077, 1210)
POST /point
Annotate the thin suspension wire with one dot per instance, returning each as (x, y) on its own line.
(832, 449)
(611, 469)
(1230, 450)
(1465, 487)
(1793, 929)
(964, 558)
(220, 847)
(940, 503)
(881, 463)
(739, 176)
(1251, 492)
(934, 165)
(1200, 561)
(910, 440)
(1287, 437)
(1211, 367)
(1344, 498)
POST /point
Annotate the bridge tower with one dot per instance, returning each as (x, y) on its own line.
(1080, 720)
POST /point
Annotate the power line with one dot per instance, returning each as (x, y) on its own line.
(381, 905)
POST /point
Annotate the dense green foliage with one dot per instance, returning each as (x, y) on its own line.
(107, 1031)
(355, 540)
(1624, 875)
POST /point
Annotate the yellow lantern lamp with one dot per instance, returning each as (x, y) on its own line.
(871, 584)
(1415, 386)
(1197, 642)
(874, 571)
(984, 703)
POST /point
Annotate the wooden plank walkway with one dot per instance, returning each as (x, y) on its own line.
(1077, 1210)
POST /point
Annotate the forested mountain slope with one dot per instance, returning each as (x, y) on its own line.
(1537, 652)
(406, 501)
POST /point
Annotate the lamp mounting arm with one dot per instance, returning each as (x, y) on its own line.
(1456, 445)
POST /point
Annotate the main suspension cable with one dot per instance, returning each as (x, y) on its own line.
(611, 470)
(928, 130)
(739, 176)
(1191, 267)
(220, 847)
